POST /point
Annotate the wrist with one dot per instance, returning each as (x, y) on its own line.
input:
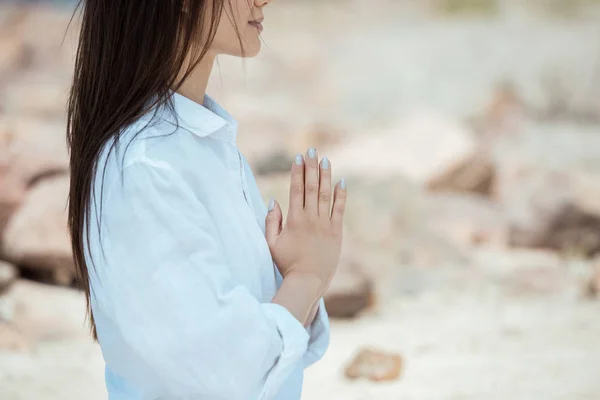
(299, 293)
(313, 314)
(311, 284)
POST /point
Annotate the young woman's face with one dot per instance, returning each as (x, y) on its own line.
(240, 22)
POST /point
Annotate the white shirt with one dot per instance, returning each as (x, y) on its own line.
(181, 294)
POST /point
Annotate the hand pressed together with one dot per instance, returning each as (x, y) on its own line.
(309, 242)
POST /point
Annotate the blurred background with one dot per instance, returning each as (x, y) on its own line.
(469, 134)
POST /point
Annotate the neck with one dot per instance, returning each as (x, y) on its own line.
(194, 87)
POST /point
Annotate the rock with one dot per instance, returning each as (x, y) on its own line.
(505, 114)
(8, 274)
(555, 210)
(394, 205)
(425, 147)
(466, 220)
(322, 137)
(592, 285)
(375, 365)
(11, 338)
(425, 248)
(274, 163)
(523, 271)
(15, 53)
(33, 148)
(13, 56)
(350, 293)
(37, 237)
(43, 31)
(12, 194)
(474, 174)
(38, 98)
(48, 312)
(29, 150)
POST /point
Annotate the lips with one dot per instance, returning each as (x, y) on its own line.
(257, 24)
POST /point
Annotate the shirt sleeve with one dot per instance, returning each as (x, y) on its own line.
(191, 328)
(319, 334)
(319, 331)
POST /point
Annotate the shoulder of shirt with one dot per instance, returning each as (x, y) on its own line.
(148, 138)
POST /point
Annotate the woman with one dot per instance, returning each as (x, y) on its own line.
(194, 289)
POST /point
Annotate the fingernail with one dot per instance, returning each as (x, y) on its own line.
(312, 153)
(271, 205)
(343, 184)
(298, 159)
(325, 163)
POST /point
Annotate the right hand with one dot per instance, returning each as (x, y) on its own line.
(310, 242)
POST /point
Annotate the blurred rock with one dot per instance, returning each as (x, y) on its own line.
(523, 271)
(350, 293)
(425, 147)
(426, 248)
(31, 148)
(41, 98)
(12, 194)
(322, 137)
(37, 237)
(374, 365)
(47, 312)
(474, 174)
(554, 210)
(380, 210)
(466, 220)
(536, 280)
(12, 189)
(272, 163)
(13, 56)
(8, 274)
(592, 284)
(11, 339)
(505, 113)
(42, 31)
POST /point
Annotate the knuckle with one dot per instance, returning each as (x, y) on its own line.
(312, 168)
(325, 196)
(312, 187)
(339, 208)
(297, 188)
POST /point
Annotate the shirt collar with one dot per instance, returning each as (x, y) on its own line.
(208, 119)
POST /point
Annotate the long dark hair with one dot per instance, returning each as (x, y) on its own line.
(129, 58)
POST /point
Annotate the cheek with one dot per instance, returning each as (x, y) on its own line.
(226, 40)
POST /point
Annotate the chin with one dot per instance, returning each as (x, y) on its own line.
(251, 49)
(251, 53)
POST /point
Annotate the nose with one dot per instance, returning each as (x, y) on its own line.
(261, 3)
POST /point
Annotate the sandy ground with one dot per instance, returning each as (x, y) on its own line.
(487, 333)
(472, 347)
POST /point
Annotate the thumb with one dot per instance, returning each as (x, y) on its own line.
(273, 222)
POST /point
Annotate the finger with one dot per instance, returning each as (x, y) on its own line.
(273, 222)
(297, 186)
(339, 205)
(311, 183)
(325, 188)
